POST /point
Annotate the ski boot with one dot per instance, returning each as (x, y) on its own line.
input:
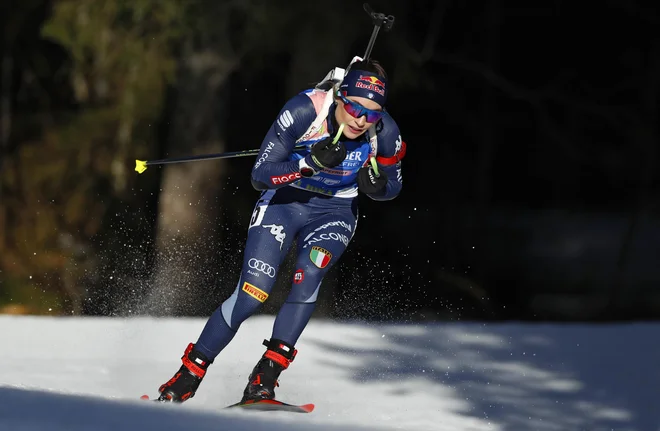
(262, 381)
(186, 381)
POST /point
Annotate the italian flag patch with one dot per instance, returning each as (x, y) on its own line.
(320, 256)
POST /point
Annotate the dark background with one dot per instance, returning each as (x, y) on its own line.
(530, 182)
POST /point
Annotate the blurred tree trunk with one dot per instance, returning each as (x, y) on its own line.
(217, 40)
(191, 194)
(85, 203)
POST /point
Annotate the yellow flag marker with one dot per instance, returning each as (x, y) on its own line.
(140, 166)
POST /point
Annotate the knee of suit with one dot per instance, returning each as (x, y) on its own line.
(306, 285)
(310, 274)
(247, 299)
(262, 283)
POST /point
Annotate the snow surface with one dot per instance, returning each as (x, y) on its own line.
(79, 374)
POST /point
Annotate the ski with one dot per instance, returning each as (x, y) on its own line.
(273, 405)
(158, 400)
(148, 398)
(260, 405)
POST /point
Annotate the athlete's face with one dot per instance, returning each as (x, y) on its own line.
(355, 126)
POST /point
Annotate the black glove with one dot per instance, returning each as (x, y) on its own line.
(369, 183)
(325, 154)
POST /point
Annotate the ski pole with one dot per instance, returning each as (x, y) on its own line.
(379, 20)
(141, 165)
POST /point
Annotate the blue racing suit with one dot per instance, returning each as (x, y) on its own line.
(319, 213)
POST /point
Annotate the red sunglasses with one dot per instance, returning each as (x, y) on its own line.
(356, 110)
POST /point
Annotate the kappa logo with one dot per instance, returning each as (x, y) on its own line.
(298, 276)
(254, 292)
(278, 232)
(285, 120)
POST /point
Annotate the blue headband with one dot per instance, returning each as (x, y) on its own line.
(365, 84)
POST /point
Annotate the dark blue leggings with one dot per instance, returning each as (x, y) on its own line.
(322, 227)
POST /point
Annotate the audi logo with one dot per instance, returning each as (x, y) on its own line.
(262, 267)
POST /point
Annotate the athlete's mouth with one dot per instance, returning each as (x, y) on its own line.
(355, 130)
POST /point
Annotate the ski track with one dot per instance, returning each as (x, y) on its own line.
(87, 373)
